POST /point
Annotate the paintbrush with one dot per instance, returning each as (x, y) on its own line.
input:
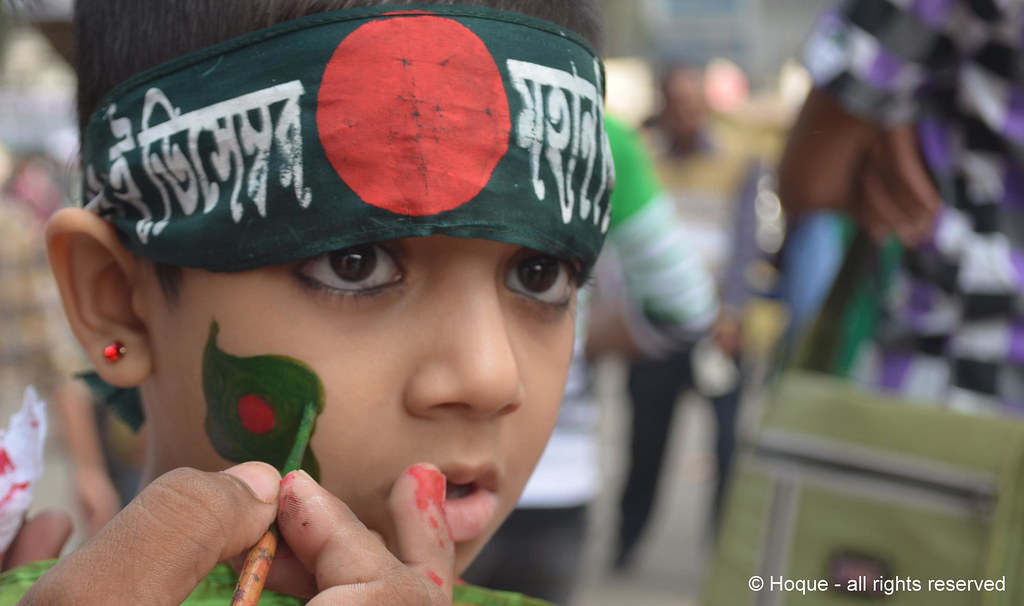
(254, 572)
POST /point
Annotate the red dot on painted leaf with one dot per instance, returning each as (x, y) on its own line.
(256, 414)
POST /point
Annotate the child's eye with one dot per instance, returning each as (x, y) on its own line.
(356, 269)
(546, 279)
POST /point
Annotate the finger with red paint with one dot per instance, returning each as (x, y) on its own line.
(424, 539)
(350, 564)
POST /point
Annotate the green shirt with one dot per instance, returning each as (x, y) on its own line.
(217, 588)
(636, 180)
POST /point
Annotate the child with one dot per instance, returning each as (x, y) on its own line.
(378, 216)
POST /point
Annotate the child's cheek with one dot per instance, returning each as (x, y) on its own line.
(254, 405)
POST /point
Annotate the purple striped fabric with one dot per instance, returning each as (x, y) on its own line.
(1013, 187)
(932, 12)
(1014, 125)
(972, 140)
(894, 367)
(884, 69)
(1016, 352)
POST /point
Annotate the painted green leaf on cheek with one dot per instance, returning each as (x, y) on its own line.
(259, 408)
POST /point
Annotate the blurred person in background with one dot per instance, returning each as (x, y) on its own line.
(651, 295)
(37, 348)
(913, 129)
(713, 179)
(101, 455)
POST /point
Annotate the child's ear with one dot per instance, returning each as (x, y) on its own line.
(99, 280)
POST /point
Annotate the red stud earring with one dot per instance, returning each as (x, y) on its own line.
(114, 352)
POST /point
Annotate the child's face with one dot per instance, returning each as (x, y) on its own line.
(441, 350)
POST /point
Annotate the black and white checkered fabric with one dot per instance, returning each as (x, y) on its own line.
(954, 332)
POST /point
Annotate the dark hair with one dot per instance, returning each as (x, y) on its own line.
(116, 39)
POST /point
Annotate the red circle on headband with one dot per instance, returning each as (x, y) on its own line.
(412, 114)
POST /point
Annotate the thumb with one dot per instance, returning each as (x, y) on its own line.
(166, 540)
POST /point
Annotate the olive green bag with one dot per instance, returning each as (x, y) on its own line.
(845, 496)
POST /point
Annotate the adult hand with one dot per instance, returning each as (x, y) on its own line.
(166, 540)
(728, 331)
(163, 543)
(840, 161)
(895, 193)
(337, 560)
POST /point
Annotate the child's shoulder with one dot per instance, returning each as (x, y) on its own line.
(216, 590)
(16, 581)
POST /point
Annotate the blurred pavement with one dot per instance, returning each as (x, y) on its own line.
(670, 560)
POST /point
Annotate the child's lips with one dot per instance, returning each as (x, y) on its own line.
(470, 510)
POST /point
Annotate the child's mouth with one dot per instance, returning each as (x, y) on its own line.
(458, 491)
(469, 509)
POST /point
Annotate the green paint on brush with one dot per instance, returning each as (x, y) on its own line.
(301, 445)
(261, 408)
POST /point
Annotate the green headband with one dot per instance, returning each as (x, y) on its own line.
(357, 126)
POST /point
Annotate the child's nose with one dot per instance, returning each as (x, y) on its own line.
(468, 364)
